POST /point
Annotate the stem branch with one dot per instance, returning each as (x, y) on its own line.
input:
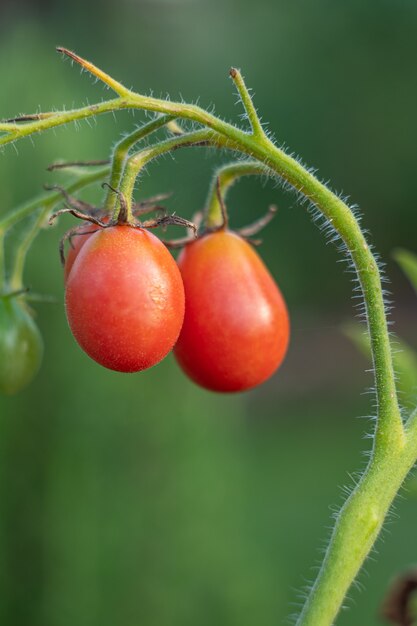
(227, 176)
(247, 102)
(138, 161)
(16, 277)
(122, 150)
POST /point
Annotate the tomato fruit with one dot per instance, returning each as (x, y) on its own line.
(236, 326)
(21, 345)
(125, 298)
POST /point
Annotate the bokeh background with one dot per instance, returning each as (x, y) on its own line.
(142, 499)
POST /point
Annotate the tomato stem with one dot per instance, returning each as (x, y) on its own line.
(136, 162)
(247, 102)
(16, 276)
(226, 176)
(120, 154)
(117, 87)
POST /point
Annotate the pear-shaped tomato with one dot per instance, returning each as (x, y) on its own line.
(236, 326)
(125, 298)
(21, 345)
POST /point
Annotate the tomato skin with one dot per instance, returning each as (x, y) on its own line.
(236, 326)
(125, 299)
(21, 345)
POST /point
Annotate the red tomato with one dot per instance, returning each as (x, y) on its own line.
(125, 299)
(236, 326)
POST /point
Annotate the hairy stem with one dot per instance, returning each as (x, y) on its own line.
(138, 161)
(247, 102)
(226, 177)
(356, 530)
(389, 429)
(122, 150)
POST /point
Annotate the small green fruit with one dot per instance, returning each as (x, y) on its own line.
(21, 345)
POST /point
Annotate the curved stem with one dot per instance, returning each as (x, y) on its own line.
(340, 216)
(138, 161)
(16, 277)
(227, 176)
(121, 151)
(389, 428)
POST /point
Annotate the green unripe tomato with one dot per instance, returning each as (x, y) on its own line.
(21, 345)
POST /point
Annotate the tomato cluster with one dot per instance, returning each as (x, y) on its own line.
(128, 304)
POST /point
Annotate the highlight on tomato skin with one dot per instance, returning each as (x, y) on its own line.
(21, 345)
(125, 299)
(236, 326)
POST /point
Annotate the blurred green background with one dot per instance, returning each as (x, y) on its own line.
(142, 499)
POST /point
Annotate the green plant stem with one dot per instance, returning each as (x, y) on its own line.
(16, 276)
(389, 425)
(395, 448)
(247, 102)
(13, 131)
(389, 429)
(227, 176)
(121, 152)
(138, 161)
(357, 527)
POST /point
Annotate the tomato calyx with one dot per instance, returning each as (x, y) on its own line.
(99, 218)
(248, 232)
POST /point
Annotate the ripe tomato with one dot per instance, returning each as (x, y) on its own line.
(236, 326)
(21, 346)
(125, 299)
